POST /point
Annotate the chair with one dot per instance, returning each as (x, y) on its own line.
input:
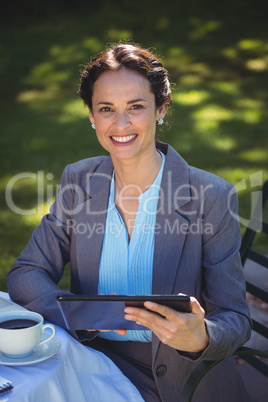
(247, 253)
(250, 355)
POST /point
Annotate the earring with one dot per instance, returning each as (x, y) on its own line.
(93, 126)
(160, 122)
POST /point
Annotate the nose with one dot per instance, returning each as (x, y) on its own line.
(121, 120)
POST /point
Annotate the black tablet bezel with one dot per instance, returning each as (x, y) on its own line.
(107, 311)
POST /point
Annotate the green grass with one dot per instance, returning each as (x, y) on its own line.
(217, 58)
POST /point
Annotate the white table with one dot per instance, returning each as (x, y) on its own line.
(75, 373)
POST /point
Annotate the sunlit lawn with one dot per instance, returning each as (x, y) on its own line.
(217, 61)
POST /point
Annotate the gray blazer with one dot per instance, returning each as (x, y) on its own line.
(197, 240)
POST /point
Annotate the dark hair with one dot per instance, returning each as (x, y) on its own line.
(132, 57)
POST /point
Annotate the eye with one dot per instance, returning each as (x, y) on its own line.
(137, 106)
(105, 109)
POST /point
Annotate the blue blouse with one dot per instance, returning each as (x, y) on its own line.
(126, 267)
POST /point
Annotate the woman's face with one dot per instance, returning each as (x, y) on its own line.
(124, 113)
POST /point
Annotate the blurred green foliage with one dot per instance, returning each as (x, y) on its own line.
(217, 57)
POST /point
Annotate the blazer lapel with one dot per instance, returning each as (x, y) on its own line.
(174, 193)
(93, 216)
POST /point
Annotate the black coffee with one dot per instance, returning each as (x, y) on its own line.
(19, 323)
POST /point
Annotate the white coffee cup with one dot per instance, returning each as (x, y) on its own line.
(23, 336)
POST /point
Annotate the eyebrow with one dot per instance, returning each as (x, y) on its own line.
(132, 101)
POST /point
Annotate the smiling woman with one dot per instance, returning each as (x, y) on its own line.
(136, 223)
(125, 115)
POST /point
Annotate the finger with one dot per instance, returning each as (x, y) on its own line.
(142, 316)
(149, 322)
(135, 312)
(196, 307)
(163, 310)
(121, 331)
(103, 294)
(135, 317)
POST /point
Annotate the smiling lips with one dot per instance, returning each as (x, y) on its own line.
(124, 139)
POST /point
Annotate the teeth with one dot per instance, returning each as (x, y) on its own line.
(124, 139)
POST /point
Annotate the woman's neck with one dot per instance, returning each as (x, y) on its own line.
(134, 177)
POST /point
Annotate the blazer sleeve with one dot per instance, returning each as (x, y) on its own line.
(227, 317)
(32, 281)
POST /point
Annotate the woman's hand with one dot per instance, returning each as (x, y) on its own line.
(181, 331)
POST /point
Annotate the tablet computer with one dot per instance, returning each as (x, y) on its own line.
(107, 312)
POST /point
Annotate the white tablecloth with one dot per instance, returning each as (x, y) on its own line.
(75, 373)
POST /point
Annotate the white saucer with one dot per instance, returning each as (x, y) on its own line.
(40, 353)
